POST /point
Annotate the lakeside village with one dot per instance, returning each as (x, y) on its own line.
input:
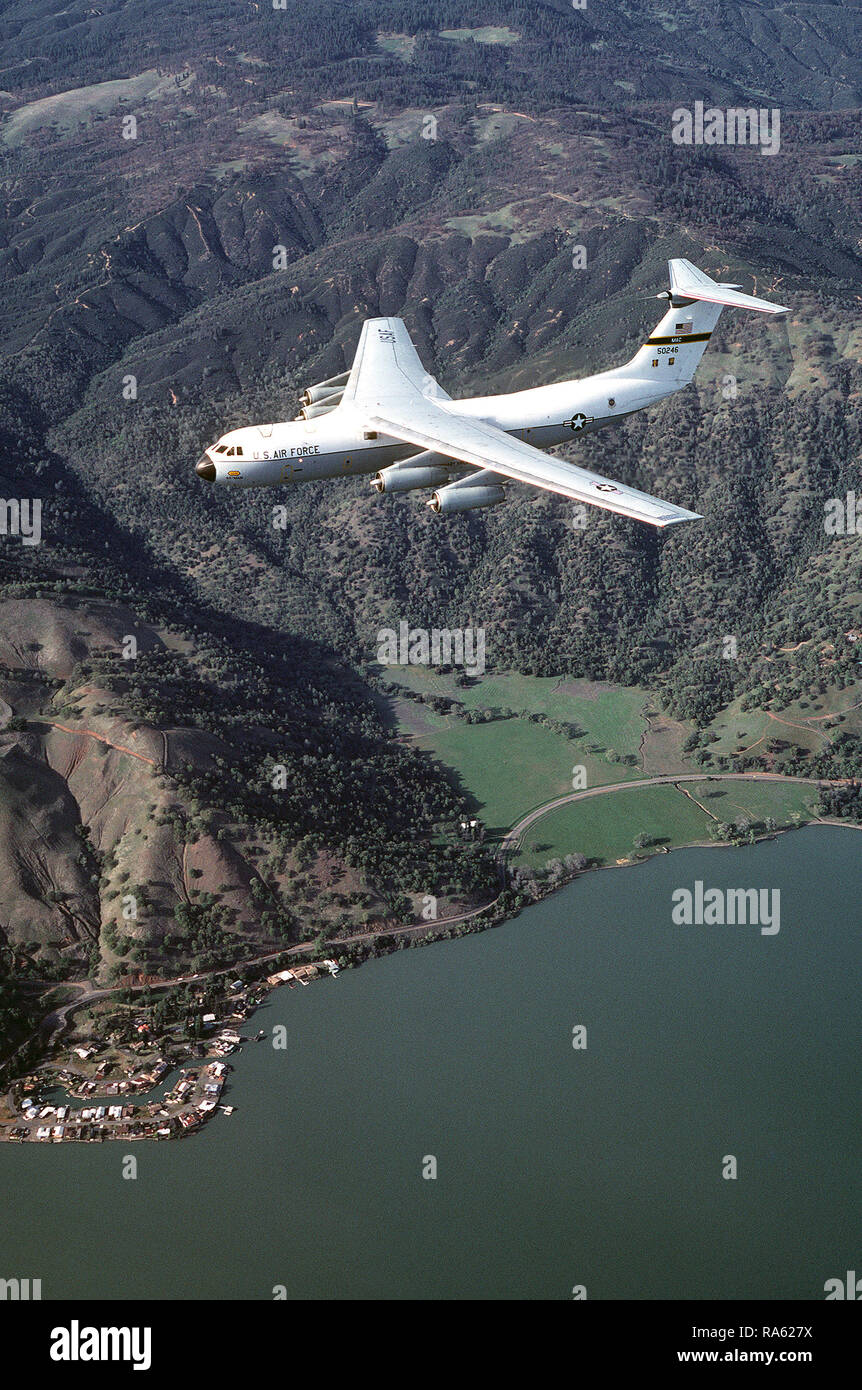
(107, 1075)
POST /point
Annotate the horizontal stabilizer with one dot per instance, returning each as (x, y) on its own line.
(687, 282)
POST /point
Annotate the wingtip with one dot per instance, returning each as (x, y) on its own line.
(679, 520)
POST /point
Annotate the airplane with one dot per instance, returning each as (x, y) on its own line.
(389, 418)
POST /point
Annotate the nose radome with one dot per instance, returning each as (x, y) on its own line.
(206, 469)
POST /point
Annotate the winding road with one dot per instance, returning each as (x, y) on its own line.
(512, 839)
(55, 1022)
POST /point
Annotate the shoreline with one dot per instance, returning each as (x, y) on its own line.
(145, 1124)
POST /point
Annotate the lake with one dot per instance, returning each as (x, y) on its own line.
(556, 1166)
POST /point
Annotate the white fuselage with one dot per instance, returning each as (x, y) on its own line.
(387, 417)
(337, 445)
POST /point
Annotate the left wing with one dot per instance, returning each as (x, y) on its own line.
(388, 387)
(387, 364)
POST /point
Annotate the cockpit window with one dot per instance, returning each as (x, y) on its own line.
(239, 451)
(220, 449)
(230, 453)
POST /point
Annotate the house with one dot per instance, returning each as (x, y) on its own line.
(304, 973)
(281, 978)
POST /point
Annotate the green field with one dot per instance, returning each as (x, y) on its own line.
(604, 828)
(511, 765)
(488, 33)
(402, 45)
(507, 767)
(611, 716)
(809, 723)
(66, 110)
(731, 801)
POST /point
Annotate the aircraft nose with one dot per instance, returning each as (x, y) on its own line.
(206, 469)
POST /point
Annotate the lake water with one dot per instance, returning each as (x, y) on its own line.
(555, 1167)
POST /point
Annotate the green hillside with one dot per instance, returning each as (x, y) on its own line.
(504, 178)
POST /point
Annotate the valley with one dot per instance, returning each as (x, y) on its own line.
(202, 764)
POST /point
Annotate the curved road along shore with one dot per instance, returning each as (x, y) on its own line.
(512, 837)
(56, 1020)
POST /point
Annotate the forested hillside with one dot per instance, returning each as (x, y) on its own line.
(503, 177)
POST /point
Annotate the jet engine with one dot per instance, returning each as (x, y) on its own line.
(323, 407)
(401, 479)
(460, 498)
(322, 397)
(312, 395)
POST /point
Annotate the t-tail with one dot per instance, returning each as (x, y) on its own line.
(671, 354)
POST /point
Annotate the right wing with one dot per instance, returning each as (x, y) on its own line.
(421, 421)
(392, 392)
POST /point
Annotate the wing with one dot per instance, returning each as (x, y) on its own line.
(392, 391)
(485, 446)
(387, 364)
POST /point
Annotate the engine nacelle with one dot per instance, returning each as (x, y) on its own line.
(466, 499)
(398, 479)
(312, 394)
(321, 407)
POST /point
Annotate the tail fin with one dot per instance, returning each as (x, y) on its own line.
(671, 354)
(687, 282)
